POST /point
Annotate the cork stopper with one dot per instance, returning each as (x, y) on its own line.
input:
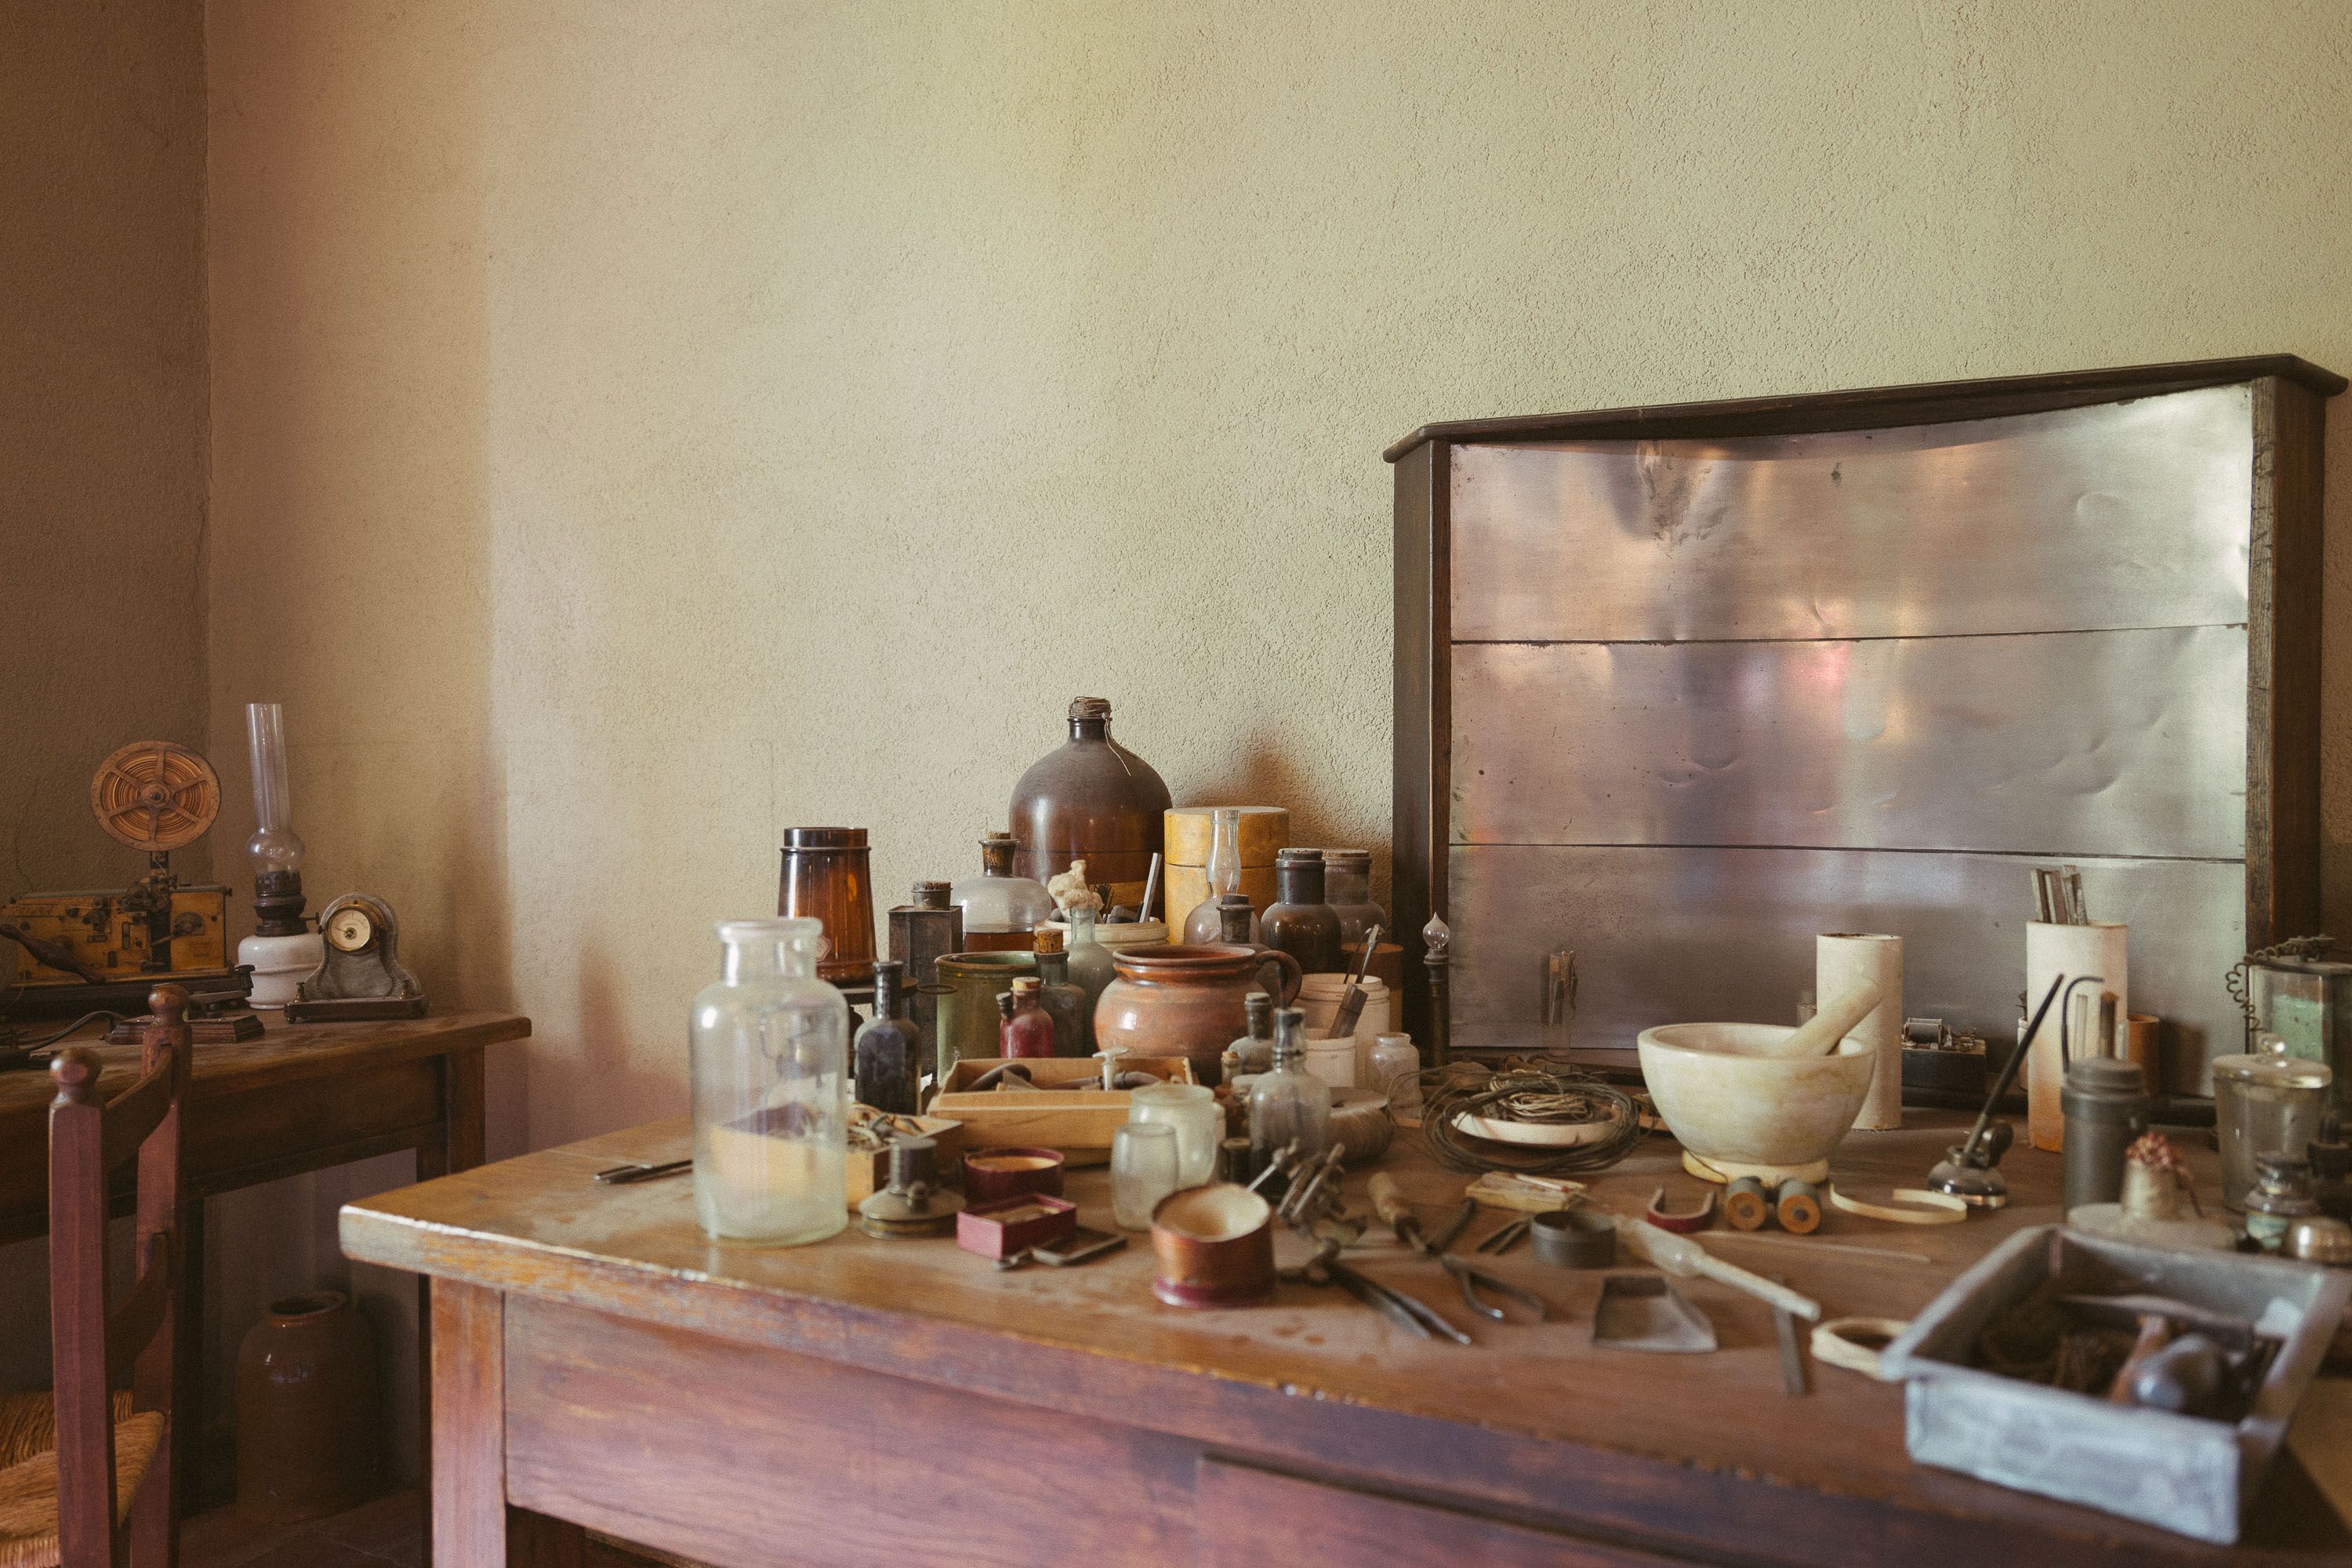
(1048, 940)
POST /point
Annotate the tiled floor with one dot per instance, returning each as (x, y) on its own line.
(389, 1531)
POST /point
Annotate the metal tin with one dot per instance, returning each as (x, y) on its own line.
(1574, 1238)
(992, 1175)
(969, 1024)
(1213, 1247)
(2105, 1103)
(921, 933)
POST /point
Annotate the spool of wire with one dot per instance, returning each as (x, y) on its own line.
(1542, 1096)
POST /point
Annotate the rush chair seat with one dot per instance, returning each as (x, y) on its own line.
(86, 1471)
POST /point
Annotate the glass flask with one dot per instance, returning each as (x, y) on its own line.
(1255, 1046)
(1290, 1104)
(1090, 799)
(1396, 1072)
(770, 1045)
(1192, 1110)
(1068, 1006)
(1090, 962)
(1299, 921)
(1347, 888)
(2265, 1102)
(1143, 1170)
(1000, 909)
(1224, 874)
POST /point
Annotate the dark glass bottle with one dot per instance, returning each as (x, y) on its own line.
(1298, 922)
(890, 1050)
(1027, 1029)
(1347, 888)
(1065, 1002)
(1236, 923)
(1092, 800)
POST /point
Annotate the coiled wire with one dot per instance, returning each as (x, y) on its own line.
(1555, 1095)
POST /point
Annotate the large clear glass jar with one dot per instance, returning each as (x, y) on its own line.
(769, 1047)
(1347, 888)
(1001, 911)
(2266, 1102)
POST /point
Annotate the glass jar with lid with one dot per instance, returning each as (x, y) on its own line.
(769, 1045)
(2266, 1102)
(1001, 911)
(1300, 920)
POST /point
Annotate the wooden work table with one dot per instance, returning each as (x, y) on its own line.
(597, 1361)
(298, 1098)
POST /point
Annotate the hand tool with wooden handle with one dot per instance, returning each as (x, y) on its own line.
(1680, 1255)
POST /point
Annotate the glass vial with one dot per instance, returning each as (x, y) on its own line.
(770, 1048)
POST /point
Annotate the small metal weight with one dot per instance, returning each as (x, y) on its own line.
(1574, 1238)
(914, 1203)
(2106, 1104)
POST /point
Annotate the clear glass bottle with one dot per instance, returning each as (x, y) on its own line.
(2265, 1102)
(1299, 921)
(1347, 888)
(1091, 968)
(1224, 872)
(770, 1051)
(1028, 1029)
(1255, 1046)
(2281, 1195)
(1068, 1006)
(1290, 1104)
(888, 1051)
(1000, 909)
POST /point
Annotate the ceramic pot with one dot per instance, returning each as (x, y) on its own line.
(1177, 1001)
(309, 1428)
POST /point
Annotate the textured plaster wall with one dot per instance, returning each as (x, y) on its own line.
(638, 429)
(102, 451)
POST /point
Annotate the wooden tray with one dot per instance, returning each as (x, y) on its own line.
(1077, 1121)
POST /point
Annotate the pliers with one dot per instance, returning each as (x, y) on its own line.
(1324, 1269)
(1390, 1205)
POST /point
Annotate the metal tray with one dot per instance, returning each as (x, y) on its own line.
(2180, 1472)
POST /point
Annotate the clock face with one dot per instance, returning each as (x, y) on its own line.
(351, 931)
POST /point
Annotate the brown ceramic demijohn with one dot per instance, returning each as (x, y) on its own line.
(1176, 1001)
(1090, 799)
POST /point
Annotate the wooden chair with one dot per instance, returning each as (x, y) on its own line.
(87, 1481)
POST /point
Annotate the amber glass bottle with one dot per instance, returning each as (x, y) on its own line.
(1092, 800)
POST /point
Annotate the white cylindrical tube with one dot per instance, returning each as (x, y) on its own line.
(2102, 949)
(1842, 961)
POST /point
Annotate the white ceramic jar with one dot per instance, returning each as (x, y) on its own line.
(1318, 999)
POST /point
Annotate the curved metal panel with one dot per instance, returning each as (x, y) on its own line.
(2125, 743)
(1680, 935)
(2123, 515)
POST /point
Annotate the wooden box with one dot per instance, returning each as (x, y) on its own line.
(1077, 1121)
(869, 1169)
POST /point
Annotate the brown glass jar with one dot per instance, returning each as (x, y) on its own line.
(1299, 922)
(826, 879)
(1090, 800)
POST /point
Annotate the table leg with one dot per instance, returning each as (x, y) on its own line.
(458, 1148)
(469, 1517)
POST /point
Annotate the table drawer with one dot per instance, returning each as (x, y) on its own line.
(1250, 1518)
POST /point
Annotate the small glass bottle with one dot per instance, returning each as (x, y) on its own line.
(1255, 1046)
(1290, 1105)
(1299, 922)
(1028, 1029)
(1396, 1072)
(1066, 1005)
(1347, 888)
(890, 1050)
(2281, 1195)
(770, 1050)
(1223, 874)
(1091, 966)
(1001, 911)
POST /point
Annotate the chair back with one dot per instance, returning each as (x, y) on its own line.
(94, 1342)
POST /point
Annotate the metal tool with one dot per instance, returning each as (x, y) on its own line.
(1681, 1254)
(1575, 1238)
(1969, 1171)
(618, 1175)
(1351, 1004)
(1645, 1313)
(1312, 1206)
(1389, 1203)
(1506, 1238)
(1792, 1354)
(1324, 1269)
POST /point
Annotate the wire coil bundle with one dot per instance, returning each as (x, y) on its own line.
(1552, 1096)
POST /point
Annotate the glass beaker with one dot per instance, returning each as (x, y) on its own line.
(1143, 1170)
(769, 1047)
(2266, 1102)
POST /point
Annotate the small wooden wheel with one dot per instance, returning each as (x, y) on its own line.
(156, 795)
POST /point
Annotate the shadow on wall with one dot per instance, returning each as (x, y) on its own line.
(1268, 775)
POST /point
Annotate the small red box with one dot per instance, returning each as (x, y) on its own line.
(1015, 1224)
